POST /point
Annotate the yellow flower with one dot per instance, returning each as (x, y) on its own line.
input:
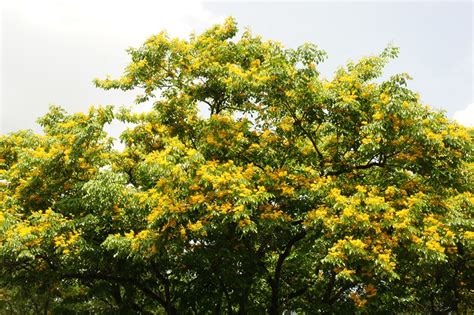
(197, 199)
(287, 191)
(357, 243)
(361, 189)
(416, 239)
(384, 257)
(239, 208)
(469, 235)
(24, 230)
(377, 116)
(374, 201)
(347, 272)
(403, 213)
(367, 140)
(286, 124)
(327, 85)
(266, 134)
(245, 222)
(254, 146)
(130, 235)
(435, 246)
(384, 98)
(73, 236)
(358, 301)
(143, 235)
(321, 212)
(348, 211)
(210, 139)
(182, 231)
(195, 226)
(116, 209)
(155, 213)
(390, 191)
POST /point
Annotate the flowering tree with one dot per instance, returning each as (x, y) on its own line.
(296, 193)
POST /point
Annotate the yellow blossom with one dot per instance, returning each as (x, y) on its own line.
(197, 199)
(361, 189)
(347, 272)
(243, 223)
(195, 226)
(435, 246)
(318, 213)
(384, 98)
(390, 191)
(130, 235)
(23, 230)
(358, 301)
(287, 191)
(469, 235)
(357, 243)
(143, 234)
(378, 116)
(286, 124)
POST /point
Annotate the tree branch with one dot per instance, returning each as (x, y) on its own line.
(275, 281)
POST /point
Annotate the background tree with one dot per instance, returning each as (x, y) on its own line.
(296, 193)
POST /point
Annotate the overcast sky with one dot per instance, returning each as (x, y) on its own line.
(52, 49)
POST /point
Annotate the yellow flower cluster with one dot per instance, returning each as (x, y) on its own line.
(385, 258)
(348, 97)
(358, 301)
(194, 227)
(286, 124)
(374, 200)
(346, 273)
(384, 98)
(287, 190)
(337, 250)
(335, 194)
(361, 189)
(197, 199)
(65, 242)
(435, 246)
(24, 230)
(356, 243)
(469, 235)
(390, 191)
(378, 115)
(245, 222)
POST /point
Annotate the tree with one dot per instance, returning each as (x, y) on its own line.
(296, 193)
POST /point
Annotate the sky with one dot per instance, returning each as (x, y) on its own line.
(51, 50)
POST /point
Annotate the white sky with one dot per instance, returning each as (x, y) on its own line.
(52, 49)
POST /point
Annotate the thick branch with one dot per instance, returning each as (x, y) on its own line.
(307, 134)
(357, 167)
(275, 281)
(115, 279)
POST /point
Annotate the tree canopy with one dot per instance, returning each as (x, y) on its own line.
(296, 192)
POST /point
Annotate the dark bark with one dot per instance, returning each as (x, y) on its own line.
(329, 288)
(130, 281)
(244, 301)
(170, 309)
(276, 279)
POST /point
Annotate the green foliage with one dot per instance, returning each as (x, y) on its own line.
(296, 193)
